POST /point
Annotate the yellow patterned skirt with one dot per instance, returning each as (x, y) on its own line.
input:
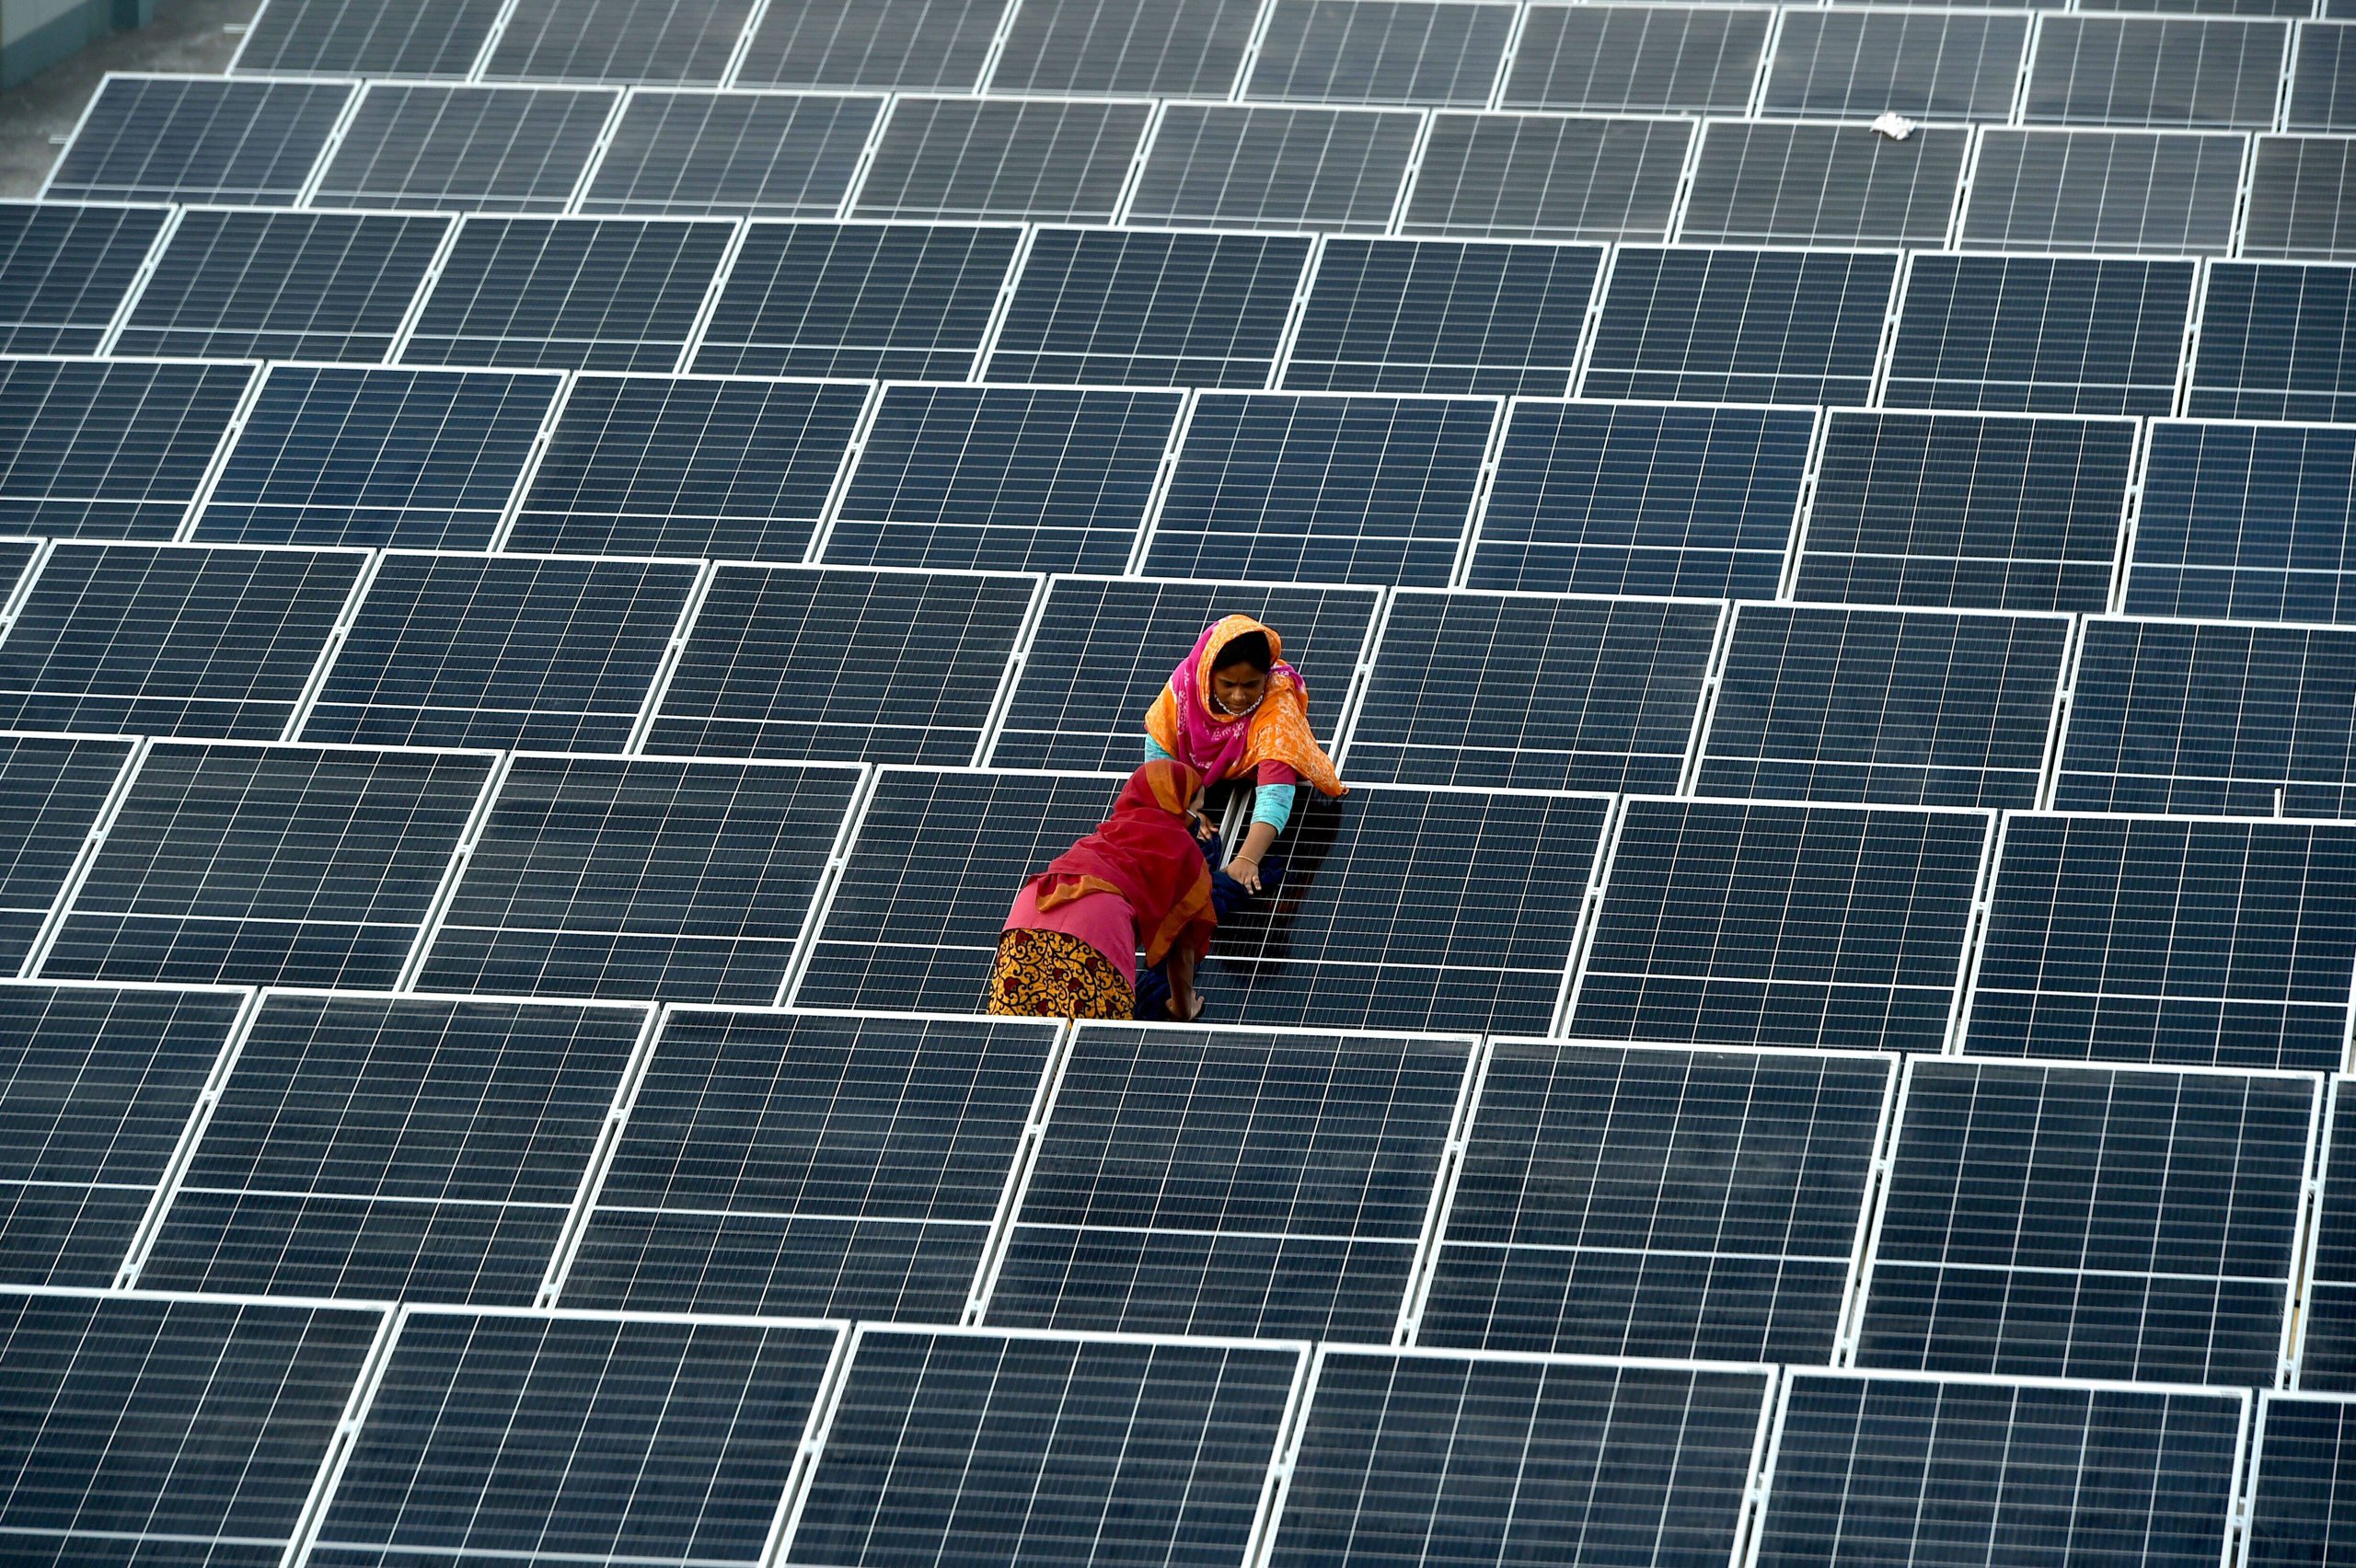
(1049, 975)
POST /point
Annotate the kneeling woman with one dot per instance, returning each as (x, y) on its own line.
(1069, 948)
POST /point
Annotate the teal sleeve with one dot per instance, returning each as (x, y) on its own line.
(1153, 752)
(1272, 804)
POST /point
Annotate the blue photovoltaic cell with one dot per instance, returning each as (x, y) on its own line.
(916, 44)
(2044, 334)
(269, 865)
(1046, 159)
(16, 554)
(1281, 487)
(1004, 479)
(349, 457)
(1968, 510)
(52, 790)
(1700, 325)
(1914, 707)
(97, 450)
(687, 881)
(171, 640)
(2246, 523)
(842, 665)
(64, 270)
(1178, 49)
(1464, 1460)
(2328, 1326)
(900, 301)
(2200, 718)
(146, 1431)
(395, 1149)
(2302, 1505)
(568, 293)
(2089, 1222)
(1548, 177)
(1918, 1470)
(1387, 51)
(550, 652)
(1150, 309)
(1118, 1452)
(96, 1087)
(1724, 923)
(1272, 1185)
(700, 466)
(1265, 166)
(733, 155)
(2276, 343)
(199, 139)
(2189, 71)
(465, 149)
(2200, 943)
(423, 37)
(1442, 316)
(1638, 1201)
(617, 40)
(564, 1439)
(797, 1162)
(1637, 498)
(1533, 693)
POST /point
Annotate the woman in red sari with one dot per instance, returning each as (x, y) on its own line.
(1069, 948)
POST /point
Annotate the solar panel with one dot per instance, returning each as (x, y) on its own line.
(2202, 718)
(2322, 94)
(16, 554)
(983, 159)
(65, 270)
(236, 864)
(1988, 511)
(160, 1430)
(1759, 326)
(110, 449)
(857, 299)
(1206, 1182)
(2244, 521)
(96, 1087)
(1270, 168)
(1176, 49)
(617, 40)
(812, 1162)
(2185, 942)
(171, 640)
(2179, 71)
(1281, 487)
(198, 139)
(2304, 1457)
(52, 791)
(664, 466)
(1931, 1470)
(421, 38)
(1910, 707)
(842, 665)
(1104, 647)
(1004, 479)
(2326, 1325)
(1148, 309)
(2089, 1222)
(683, 882)
(938, 45)
(465, 149)
(1638, 58)
(2294, 207)
(571, 294)
(1643, 1201)
(1547, 177)
(1634, 498)
(1766, 182)
(550, 652)
(2274, 343)
(2168, 192)
(1438, 316)
(2049, 335)
(1530, 692)
(1117, 1450)
(350, 456)
(283, 285)
(571, 1437)
(1929, 65)
(394, 1148)
(1415, 51)
(748, 155)
(1450, 1459)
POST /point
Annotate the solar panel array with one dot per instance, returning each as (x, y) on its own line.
(560, 561)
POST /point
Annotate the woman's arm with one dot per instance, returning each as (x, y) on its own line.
(1271, 809)
(1185, 1002)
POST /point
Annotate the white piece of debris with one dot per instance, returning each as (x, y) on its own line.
(1897, 127)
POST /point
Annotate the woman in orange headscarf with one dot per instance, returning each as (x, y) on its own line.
(1234, 707)
(1069, 948)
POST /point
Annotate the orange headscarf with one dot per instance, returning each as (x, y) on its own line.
(1276, 731)
(1146, 854)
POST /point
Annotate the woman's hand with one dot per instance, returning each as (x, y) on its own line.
(1246, 872)
(1188, 1011)
(1202, 826)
